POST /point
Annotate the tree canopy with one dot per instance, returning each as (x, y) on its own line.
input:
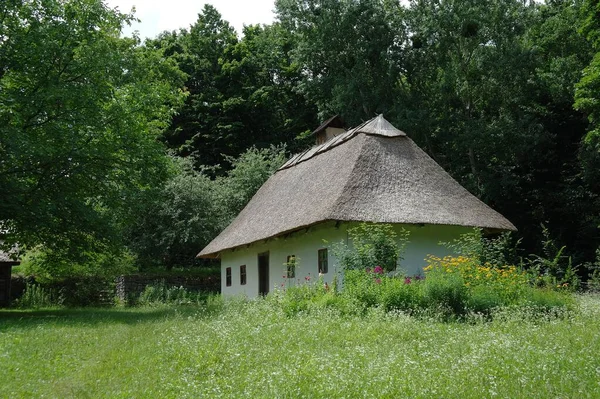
(80, 109)
(502, 93)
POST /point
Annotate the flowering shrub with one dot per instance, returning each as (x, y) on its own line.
(374, 245)
(453, 287)
(508, 283)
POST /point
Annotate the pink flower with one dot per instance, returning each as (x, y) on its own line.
(307, 278)
(378, 270)
(407, 280)
(378, 280)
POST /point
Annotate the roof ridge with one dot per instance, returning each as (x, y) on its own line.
(381, 127)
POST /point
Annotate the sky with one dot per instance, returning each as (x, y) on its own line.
(160, 15)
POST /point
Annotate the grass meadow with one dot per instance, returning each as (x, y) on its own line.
(252, 349)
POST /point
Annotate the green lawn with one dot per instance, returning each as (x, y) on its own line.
(252, 350)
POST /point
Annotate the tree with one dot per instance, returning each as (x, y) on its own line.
(489, 88)
(346, 51)
(242, 91)
(587, 97)
(174, 222)
(80, 110)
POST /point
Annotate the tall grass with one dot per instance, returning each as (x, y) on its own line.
(164, 294)
(235, 348)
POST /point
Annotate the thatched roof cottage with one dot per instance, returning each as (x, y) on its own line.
(371, 173)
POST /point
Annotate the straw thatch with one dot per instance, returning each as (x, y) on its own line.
(372, 173)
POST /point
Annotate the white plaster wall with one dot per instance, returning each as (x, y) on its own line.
(423, 241)
(304, 245)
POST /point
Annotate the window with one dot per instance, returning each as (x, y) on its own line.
(291, 266)
(323, 268)
(228, 277)
(243, 275)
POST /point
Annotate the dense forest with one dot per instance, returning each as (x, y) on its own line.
(116, 153)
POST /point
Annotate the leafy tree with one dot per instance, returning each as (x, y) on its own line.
(176, 221)
(587, 97)
(489, 88)
(242, 92)
(79, 112)
(346, 50)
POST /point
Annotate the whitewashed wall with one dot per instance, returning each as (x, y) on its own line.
(305, 244)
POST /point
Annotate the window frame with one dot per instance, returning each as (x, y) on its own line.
(228, 279)
(323, 261)
(243, 275)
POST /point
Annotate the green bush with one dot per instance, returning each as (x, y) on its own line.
(445, 292)
(477, 283)
(362, 286)
(162, 294)
(373, 245)
(397, 294)
(484, 300)
(546, 299)
(36, 296)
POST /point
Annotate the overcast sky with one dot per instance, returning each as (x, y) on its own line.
(160, 15)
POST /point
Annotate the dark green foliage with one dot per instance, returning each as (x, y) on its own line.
(497, 250)
(69, 292)
(242, 92)
(503, 94)
(486, 88)
(346, 51)
(36, 296)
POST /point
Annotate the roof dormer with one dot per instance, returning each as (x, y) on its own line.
(329, 129)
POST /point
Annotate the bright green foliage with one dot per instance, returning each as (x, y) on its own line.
(453, 288)
(373, 245)
(80, 109)
(496, 251)
(593, 268)
(162, 294)
(247, 174)
(54, 265)
(552, 269)
(476, 280)
(175, 222)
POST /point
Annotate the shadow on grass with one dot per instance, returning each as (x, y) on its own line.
(91, 316)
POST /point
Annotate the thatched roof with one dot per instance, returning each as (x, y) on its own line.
(372, 173)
